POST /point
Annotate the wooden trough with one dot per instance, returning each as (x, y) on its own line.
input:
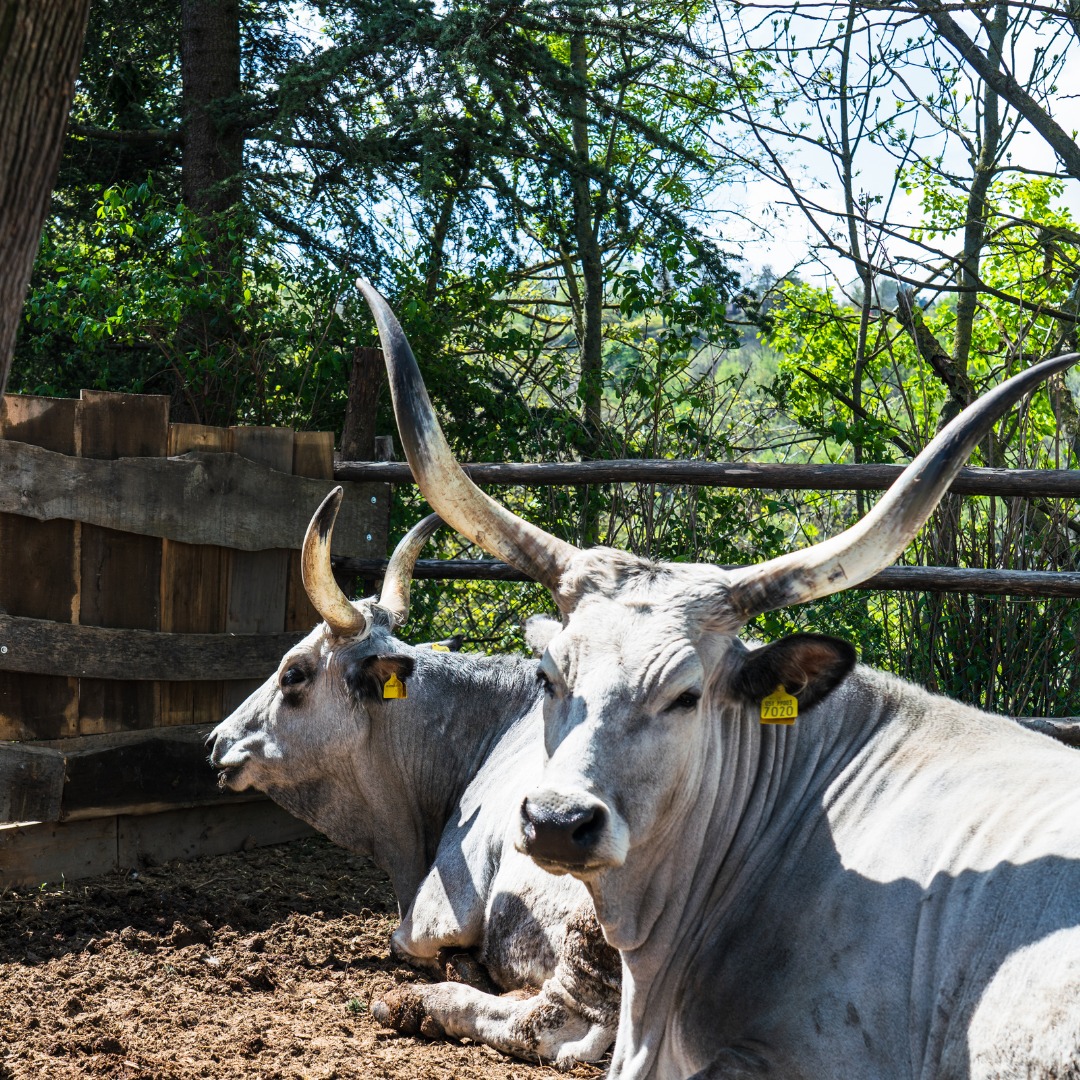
(149, 580)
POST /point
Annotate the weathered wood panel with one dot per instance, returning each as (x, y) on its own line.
(257, 579)
(31, 783)
(126, 772)
(69, 850)
(33, 854)
(193, 593)
(151, 839)
(141, 773)
(38, 574)
(196, 498)
(99, 652)
(107, 774)
(120, 577)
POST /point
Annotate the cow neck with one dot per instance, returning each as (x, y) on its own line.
(758, 784)
(431, 745)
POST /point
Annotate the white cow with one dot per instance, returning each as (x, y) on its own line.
(888, 887)
(420, 782)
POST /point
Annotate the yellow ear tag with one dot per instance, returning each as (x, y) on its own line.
(436, 647)
(779, 707)
(394, 688)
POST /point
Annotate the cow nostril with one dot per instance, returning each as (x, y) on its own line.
(592, 823)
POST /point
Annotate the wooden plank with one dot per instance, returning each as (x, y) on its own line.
(120, 577)
(126, 772)
(194, 582)
(313, 455)
(98, 652)
(257, 579)
(186, 834)
(31, 783)
(31, 855)
(38, 574)
(141, 773)
(1027, 483)
(196, 498)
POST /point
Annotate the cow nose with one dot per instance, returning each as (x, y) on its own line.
(566, 834)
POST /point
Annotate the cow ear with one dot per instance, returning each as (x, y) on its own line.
(539, 630)
(448, 644)
(367, 675)
(809, 666)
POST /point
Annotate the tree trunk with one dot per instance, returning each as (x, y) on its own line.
(40, 45)
(213, 139)
(213, 159)
(592, 270)
(986, 168)
(866, 274)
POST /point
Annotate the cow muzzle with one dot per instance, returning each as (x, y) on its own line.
(567, 836)
(229, 761)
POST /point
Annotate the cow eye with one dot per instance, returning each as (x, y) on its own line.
(687, 700)
(293, 676)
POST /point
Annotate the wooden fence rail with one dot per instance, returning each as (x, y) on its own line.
(1047, 583)
(1029, 483)
(1026, 483)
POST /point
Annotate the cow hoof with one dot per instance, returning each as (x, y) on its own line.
(403, 1010)
(463, 967)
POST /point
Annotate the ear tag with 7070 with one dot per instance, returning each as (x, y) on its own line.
(779, 707)
(436, 647)
(394, 688)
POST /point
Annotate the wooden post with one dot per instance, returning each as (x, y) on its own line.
(120, 577)
(257, 579)
(358, 440)
(366, 380)
(194, 584)
(313, 455)
(38, 577)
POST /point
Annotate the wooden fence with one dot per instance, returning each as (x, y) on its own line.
(149, 580)
(1004, 483)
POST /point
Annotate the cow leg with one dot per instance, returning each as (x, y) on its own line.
(572, 1018)
(433, 924)
(544, 1025)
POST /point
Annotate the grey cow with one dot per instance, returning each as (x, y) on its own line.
(421, 784)
(889, 887)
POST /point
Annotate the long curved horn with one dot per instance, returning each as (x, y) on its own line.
(879, 538)
(459, 502)
(397, 581)
(323, 591)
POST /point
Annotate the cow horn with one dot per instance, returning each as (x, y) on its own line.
(343, 618)
(881, 536)
(459, 502)
(397, 581)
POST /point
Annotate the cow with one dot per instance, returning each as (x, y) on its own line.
(408, 755)
(884, 885)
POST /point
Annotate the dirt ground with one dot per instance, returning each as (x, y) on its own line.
(259, 964)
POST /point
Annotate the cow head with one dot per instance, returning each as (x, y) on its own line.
(288, 737)
(647, 682)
